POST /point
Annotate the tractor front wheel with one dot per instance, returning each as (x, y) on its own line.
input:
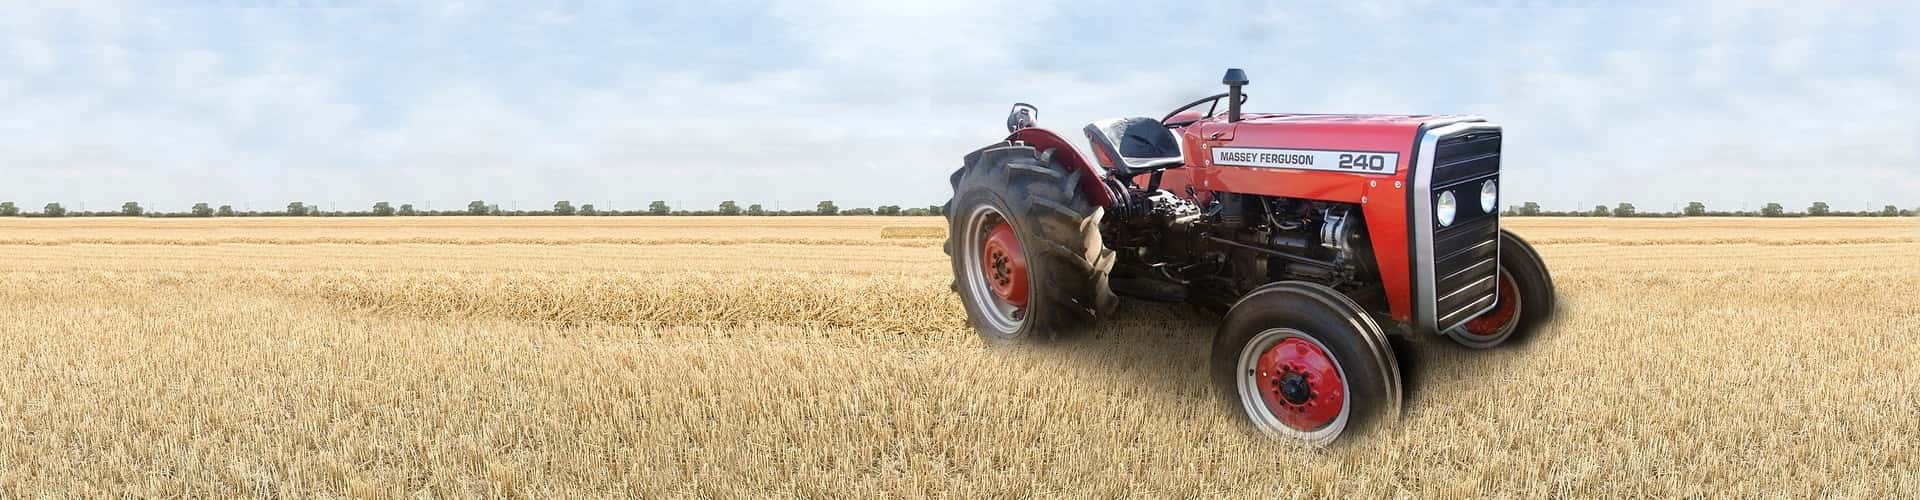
(1301, 361)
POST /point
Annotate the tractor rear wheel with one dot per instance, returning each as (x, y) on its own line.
(1525, 299)
(1301, 361)
(1025, 246)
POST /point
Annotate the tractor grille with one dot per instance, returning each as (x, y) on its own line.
(1466, 254)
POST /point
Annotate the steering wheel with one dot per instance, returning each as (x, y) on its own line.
(1213, 106)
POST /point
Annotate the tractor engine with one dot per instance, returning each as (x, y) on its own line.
(1173, 249)
(1155, 224)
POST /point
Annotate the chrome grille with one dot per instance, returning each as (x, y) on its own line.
(1466, 253)
(1458, 264)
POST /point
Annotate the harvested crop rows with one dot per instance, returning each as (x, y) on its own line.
(824, 356)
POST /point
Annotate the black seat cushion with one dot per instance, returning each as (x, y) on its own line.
(1133, 145)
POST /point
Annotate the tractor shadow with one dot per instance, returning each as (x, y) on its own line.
(1153, 348)
(1429, 366)
(1164, 350)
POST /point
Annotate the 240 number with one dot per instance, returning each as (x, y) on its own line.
(1363, 162)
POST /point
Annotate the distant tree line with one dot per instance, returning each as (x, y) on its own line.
(827, 207)
(1698, 209)
(476, 207)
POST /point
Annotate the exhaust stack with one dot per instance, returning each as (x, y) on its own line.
(1233, 80)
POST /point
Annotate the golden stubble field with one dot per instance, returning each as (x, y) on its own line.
(825, 357)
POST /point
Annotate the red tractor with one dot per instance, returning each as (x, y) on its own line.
(1318, 235)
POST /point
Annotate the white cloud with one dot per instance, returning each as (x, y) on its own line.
(1713, 65)
(1792, 55)
(33, 54)
(1909, 61)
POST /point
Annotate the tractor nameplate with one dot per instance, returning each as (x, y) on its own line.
(1359, 162)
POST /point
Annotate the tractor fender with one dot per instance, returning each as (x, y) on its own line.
(1091, 182)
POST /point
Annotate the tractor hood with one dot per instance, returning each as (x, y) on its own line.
(1267, 139)
(1322, 131)
(1296, 118)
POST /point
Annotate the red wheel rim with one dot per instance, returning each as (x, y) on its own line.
(1005, 265)
(1300, 384)
(1494, 321)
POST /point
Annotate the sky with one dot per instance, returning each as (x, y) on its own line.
(341, 104)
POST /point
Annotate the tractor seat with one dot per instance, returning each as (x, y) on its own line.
(1132, 146)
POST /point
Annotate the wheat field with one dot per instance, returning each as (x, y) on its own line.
(825, 357)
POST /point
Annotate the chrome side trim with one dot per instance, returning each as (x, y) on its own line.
(1475, 267)
(1426, 301)
(1491, 300)
(1470, 286)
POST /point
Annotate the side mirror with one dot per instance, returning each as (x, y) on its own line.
(1233, 80)
(1023, 116)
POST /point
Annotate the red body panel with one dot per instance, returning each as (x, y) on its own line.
(1383, 198)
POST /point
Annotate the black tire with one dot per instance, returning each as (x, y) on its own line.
(1058, 229)
(1536, 283)
(1343, 332)
(1533, 289)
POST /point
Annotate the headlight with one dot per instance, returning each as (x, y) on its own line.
(1489, 195)
(1444, 210)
